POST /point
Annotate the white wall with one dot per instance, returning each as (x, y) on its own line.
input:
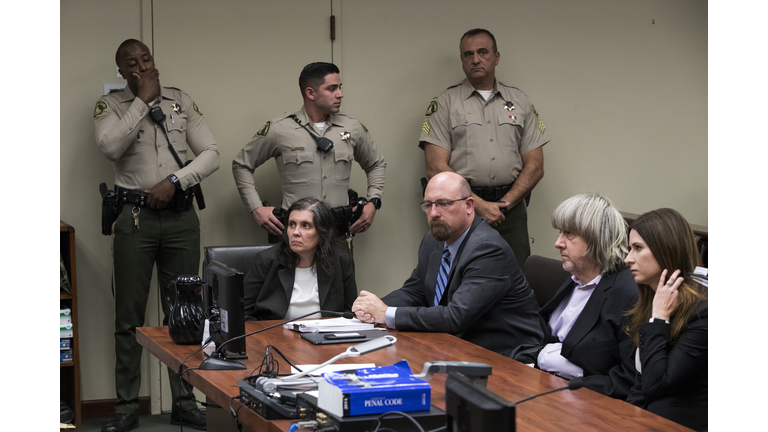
(621, 87)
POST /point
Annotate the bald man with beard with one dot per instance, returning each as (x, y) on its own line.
(466, 283)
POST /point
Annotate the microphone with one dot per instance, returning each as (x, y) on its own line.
(573, 384)
(218, 361)
(156, 114)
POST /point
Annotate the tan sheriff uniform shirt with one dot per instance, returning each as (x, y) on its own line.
(486, 139)
(128, 137)
(303, 169)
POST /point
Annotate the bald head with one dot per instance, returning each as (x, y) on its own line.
(453, 210)
(452, 182)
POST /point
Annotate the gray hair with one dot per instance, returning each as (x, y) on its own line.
(594, 218)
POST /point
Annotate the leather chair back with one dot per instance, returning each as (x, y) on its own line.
(239, 258)
(545, 276)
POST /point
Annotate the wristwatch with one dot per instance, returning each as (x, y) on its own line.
(376, 202)
(175, 180)
(658, 320)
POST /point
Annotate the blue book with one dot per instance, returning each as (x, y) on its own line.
(373, 391)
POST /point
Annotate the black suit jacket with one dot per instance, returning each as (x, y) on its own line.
(487, 300)
(597, 342)
(673, 382)
(269, 285)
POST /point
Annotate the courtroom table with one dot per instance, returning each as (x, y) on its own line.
(579, 410)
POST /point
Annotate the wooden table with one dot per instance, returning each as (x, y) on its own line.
(580, 410)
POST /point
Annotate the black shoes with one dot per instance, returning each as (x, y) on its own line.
(192, 418)
(122, 423)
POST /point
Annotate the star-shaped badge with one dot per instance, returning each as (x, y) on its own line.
(345, 136)
(176, 108)
(509, 106)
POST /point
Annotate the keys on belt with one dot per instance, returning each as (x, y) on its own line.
(135, 212)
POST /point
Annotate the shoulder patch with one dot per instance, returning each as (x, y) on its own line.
(363, 126)
(265, 130)
(194, 107)
(101, 106)
(432, 108)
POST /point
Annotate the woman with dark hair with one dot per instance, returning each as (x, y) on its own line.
(304, 272)
(669, 320)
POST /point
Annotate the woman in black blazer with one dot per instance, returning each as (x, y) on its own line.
(305, 272)
(669, 321)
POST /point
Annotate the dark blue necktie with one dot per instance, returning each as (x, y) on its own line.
(442, 275)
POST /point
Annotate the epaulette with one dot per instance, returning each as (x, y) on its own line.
(511, 87)
(285, 115)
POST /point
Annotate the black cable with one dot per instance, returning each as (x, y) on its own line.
(284, 358)
(235, 413)
(377, 422)
(542, 394)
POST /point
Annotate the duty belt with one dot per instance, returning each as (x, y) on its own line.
(139, 198)
(132, 196)
(491, 193)
(495, 193)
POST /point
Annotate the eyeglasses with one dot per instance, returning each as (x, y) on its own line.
(442, 204)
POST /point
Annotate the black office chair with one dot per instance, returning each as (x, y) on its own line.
(237, 257)
(545, 276)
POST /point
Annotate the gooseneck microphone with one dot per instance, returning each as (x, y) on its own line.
(218, 361)
(573, 384)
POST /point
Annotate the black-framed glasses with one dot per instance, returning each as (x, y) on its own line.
(442, 204)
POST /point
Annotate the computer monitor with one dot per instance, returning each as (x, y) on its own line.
(225, 306)
(473, 408)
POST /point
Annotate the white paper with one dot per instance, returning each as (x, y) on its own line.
(328, 325)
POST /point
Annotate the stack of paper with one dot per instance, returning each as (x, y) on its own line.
(328, 325)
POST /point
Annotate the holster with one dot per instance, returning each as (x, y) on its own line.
(279, 213)
(195, 191)
(182, 200)
(344, 216)
(110, 208)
